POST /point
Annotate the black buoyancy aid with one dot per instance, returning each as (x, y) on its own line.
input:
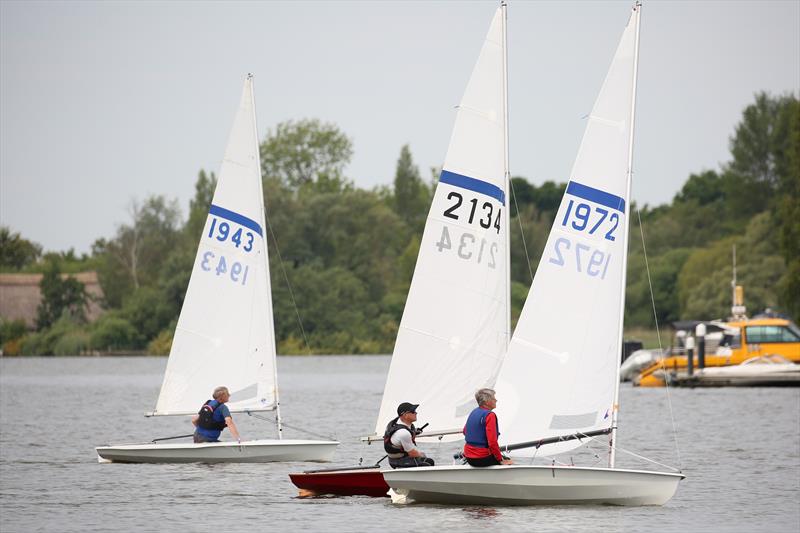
(393, 427)
(206, 420)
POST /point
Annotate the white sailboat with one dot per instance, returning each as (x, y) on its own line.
(558, 386)
(456, 324)
(225, 333)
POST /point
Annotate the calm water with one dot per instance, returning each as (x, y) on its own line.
(739, 448)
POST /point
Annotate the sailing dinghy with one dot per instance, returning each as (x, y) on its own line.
(559, 387)
(455, 325)
(225, 333)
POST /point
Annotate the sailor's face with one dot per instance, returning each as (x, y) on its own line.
(491, 403)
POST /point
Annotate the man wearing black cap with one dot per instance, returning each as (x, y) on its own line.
(400, 439)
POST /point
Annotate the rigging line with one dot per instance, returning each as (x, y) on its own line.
(660, 346)
(288, 285)
(294, 427)
(521, 231)
(642, 457)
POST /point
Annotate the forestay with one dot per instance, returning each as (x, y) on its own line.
(454, 329)
(559, 375)
(225, 333)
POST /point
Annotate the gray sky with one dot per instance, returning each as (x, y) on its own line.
(103, 102)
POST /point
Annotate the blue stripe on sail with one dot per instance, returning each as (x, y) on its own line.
(472, 184)
(596, 195)
(236, 218)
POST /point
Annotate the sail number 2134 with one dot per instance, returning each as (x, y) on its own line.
(469, 247)
(483, 215)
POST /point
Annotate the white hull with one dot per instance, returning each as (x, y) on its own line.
(533, 485)
(254, 451)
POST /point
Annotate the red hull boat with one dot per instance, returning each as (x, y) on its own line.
(354, 481)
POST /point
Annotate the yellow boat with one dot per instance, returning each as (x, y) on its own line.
(742, 339)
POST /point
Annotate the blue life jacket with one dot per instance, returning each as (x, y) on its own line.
(475, 434)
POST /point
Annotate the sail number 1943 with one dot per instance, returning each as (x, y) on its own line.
(219, 265)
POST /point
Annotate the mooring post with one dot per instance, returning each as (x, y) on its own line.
(700, 332)
(690, 355)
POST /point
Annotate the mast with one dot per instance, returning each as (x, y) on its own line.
(637, 12)
(272, 348)
(506, 171)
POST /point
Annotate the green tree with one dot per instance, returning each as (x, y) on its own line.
(135, 256)
(199, 205)
(705, 188)
(304, 152)
(60, 296)
(112, 332)
(16, 252)
(761, 150)
(787, 215)
(412, 197)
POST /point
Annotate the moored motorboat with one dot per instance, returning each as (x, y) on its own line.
(762, 371)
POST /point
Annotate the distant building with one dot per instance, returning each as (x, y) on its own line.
(20, 296)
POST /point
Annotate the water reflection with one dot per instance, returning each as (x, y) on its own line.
(481, 513)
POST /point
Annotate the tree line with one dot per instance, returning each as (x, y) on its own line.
(342, 257)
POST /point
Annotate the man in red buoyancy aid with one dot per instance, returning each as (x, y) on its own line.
(400, 439)
(481, 432)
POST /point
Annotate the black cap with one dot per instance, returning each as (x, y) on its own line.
(406, 407)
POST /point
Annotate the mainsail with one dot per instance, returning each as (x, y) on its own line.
(560, 373)
(225, 333)
(454, 329)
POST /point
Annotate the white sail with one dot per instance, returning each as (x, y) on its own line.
(454, 329)
(225, 333)
(559, 375)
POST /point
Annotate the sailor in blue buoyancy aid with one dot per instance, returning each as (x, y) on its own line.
(213, 417)
(481, 432)
(400, 439)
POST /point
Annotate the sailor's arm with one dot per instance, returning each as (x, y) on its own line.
(232, 426)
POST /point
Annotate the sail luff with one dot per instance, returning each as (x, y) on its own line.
(506, 170)
(637, 11)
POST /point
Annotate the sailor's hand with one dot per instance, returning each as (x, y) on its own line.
(506, 462)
